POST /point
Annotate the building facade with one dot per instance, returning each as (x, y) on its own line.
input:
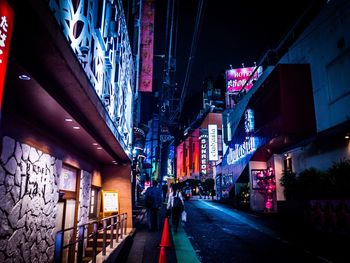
(197, 155)
(66, 123)
(299, 112)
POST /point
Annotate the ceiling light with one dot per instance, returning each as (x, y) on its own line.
(347, 136)
(76, 127)
(99, 148)
(24, 77)
(94, 143)
(68, 119)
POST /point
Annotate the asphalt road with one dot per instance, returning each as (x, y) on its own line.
(222, 234)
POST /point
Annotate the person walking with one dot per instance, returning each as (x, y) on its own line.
(176, 204)
(153, 203)
(165, 191)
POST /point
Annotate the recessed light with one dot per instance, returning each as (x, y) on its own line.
(99, 148)
(68, 119)
(347, 136)
(76, 127)
(94, 143)
(24, 77)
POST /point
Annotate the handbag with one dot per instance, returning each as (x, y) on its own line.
(177, 203)
(184, 216)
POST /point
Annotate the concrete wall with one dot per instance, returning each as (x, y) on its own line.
(321, 46)
(118, 178)
(277, 161)
(306, 157)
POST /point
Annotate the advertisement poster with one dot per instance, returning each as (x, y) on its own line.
(256, 173)
(68, 179)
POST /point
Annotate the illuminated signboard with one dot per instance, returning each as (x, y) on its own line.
(248, 145)
(203, 138)
(110, 201)
(171, 157)
(6, 26)
(236, 78)
(213, 142)
(147, 39)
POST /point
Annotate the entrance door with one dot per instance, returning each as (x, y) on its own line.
(65, 219)
(67, 210)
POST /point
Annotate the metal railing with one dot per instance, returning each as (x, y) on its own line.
(74, 250)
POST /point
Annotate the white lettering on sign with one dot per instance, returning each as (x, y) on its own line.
(248, 145)
(213, 142)
(203, 141)
(3, 34)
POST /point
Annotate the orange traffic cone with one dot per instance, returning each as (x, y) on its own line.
(162, 255)
(165, 242)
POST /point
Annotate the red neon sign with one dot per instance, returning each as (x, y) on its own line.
(6, 27)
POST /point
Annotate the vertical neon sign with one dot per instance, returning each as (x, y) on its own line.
(248, 145)
(213, 142)
(147, 39)
(6, 27)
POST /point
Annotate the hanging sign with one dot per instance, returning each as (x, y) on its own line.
(6, 27)
(213, 142)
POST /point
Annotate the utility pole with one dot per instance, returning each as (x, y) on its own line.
(166, 92)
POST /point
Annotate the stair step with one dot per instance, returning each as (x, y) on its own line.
(108, 234)
(89, 251)
(99, 242)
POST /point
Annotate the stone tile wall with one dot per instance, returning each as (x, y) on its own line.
(84, 197)
(28, 203)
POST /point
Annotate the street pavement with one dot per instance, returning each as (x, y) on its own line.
(215, 231)
(145, 247)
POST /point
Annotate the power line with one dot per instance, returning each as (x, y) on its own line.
(198, 23)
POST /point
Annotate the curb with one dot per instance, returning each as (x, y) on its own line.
(120, 254)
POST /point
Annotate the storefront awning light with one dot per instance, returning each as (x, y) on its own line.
(24, 77)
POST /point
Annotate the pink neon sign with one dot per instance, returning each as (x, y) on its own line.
(147, 39)
(236, 78)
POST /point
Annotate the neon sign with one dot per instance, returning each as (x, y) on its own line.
(203, 153)
(241, 150)
(6, 26)
(236, 78)
(213, 142)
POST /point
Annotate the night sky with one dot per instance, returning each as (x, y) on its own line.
(232, 32)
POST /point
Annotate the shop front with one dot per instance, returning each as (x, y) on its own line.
(269, 123)
(61, 146)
